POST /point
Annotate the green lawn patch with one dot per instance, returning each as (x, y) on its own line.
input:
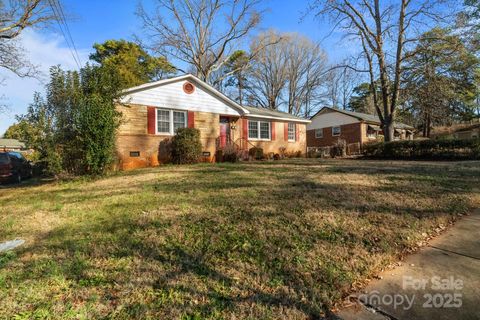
(285, 239)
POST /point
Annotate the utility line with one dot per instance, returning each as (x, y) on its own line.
(59, 5)
(63, 26)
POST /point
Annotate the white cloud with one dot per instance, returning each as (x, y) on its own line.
(43, 50)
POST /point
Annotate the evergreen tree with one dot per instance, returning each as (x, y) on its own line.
(237, 68)
(440, 80)
(132, 63)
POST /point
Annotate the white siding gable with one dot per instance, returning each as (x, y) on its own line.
(172, 96)
(330, 119)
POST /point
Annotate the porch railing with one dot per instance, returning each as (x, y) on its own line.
(240, 145)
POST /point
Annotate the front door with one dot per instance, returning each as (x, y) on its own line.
(224, 131)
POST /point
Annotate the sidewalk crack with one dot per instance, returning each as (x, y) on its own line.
(450, 251)
(377, 310)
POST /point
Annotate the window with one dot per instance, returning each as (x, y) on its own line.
(265, 130)
(318, 133)
(179, 120)
(168, 121)
(291, 131)
(163, 121)
(259, 130)
(371, 135)
(17, 156)
(336, 131)
(4, 159)
(252, 129)
(134, 153)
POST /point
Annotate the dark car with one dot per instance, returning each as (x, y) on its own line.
(14, 167)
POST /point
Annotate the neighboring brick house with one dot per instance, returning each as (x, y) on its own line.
(152, 112)
(330, 124)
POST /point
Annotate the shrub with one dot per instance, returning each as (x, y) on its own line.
(319, 152)
(312, 154)
(455, 149)
(270, 155)
(276, 156)
(50, 164)
(186, 146)
(339, 149)
(282, 151)
(256, 153)
(293, 154)
(230, 154)
(96, 123)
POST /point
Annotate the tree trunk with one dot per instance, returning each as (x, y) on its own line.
(240, 88)
(424, 129)
(428, 125)
(388, 129)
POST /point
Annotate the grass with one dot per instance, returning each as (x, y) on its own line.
(282, 240)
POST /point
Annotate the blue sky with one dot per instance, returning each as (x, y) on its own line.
(93, 21)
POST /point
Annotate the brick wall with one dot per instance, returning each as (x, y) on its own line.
(279, 141)
(132, 136)
(209, 126)
(352, 133)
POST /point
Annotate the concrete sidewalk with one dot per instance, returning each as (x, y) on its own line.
(441, 281)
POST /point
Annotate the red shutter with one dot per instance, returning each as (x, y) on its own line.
(272, 124)
(297, 132)
(285, 131)
(151, 120)
(245, 129)
(191, 119)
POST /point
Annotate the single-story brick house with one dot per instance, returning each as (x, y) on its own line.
(152, 112)
(330, 124)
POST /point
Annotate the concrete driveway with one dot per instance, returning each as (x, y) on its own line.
(441, 281)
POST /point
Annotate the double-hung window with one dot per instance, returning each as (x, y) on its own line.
(291, 131)
(258, 130)
(264, 130)
(163, 121)
(179, 120)
(168, 121)
(319, 133)
(336, 131)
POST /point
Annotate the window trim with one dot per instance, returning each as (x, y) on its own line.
(294, 131)
(258, 138)
(170, 121)
(185, 120)
(319, 130)
(339, 131)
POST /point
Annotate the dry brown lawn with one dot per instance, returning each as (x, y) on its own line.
(269, 240)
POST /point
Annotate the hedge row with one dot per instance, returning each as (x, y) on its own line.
(455, 149)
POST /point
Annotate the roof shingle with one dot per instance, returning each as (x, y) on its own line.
(369, 118)
(273, 113)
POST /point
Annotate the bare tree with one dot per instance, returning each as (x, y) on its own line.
(383, 30)
(201, 33)
(15, 16)
(339, 86)
(289, 71)
(306, 67)
(268, 75)
(332, 87)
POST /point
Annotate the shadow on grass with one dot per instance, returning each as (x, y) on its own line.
(244, 245)
(32, 182)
